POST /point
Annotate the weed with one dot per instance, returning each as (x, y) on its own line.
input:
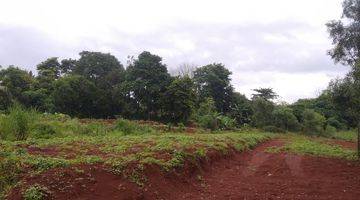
(304, 145)
(36, 192)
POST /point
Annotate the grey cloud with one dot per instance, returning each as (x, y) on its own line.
(243, 48)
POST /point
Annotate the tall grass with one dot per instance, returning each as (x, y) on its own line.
(17, 124)
(132, 128)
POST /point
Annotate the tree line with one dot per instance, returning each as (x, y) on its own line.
(97, 85)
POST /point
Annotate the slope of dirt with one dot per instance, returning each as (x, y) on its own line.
(260, 175)
(251, 175)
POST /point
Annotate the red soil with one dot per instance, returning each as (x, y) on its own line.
(345, 144)
(250, 175)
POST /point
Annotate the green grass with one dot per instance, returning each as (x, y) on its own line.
(315, 147)
(350, 135)
(35, 192)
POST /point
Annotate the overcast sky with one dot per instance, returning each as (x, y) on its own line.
(265, 43)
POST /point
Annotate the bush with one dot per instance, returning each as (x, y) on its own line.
(226, 123)
(313, 122)
(181, 127)
(43, 131)
(132, 128)
(273, 129)
(285, 119)
(208, 122)
(332, 121)
(17, 124)
(36, 192)
(330, 130)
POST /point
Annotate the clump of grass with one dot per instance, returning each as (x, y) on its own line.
(306, 146)
(349, 135)
(17, 124)
(36, 192)
(132, 128)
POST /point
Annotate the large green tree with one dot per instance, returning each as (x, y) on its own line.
(240, 109)
(105, 72)
(263, 110)
(146, 80)
(283, 117)
(16, 81)
(213, 81)
(48, 72)
(345, 34)
(266, 93)
(179, 100)
(75, 95)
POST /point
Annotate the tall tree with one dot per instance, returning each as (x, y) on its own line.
(105, 71)
(146, 79)
(75, 95)
(263, 110)
(16, 81)
(346, 40)
(179, 100)
(241, 109)
(213, 81)
(266, 93)
(345, 34)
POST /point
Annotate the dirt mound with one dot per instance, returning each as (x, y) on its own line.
(250, 175)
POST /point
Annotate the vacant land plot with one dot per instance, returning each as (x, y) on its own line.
(137, 162)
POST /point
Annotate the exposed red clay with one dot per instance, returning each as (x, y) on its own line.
(345, 144)
(250, 175)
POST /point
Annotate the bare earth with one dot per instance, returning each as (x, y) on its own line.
(250, 175)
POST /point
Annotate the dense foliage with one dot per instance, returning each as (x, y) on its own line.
(98, 86)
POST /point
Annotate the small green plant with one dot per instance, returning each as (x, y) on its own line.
(132, 128)
(17, 124)
(43, 131)
(36, 192)
(273, 129)
(329, 130)
(181, 127)
(226, 123)
(313, 122)
(307, 146)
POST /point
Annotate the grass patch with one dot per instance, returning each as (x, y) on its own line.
(36, 192)
(350, 135)
(308, 146)
(116, 150)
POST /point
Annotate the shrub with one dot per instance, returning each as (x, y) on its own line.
(93, 128)
(208, 122)
(285, 119)
(181, 126)
(273, 129)
(132, 128)
(313, 122)
(36, 192)
(206, 116)
(226, 123)
(330, 130)
(44, 131)
(332, 121)
(263, 110)
(16, 125)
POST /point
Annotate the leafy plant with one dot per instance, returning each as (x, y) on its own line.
(17, 124)
(36, 192)
(273, 129)
(132, 128)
